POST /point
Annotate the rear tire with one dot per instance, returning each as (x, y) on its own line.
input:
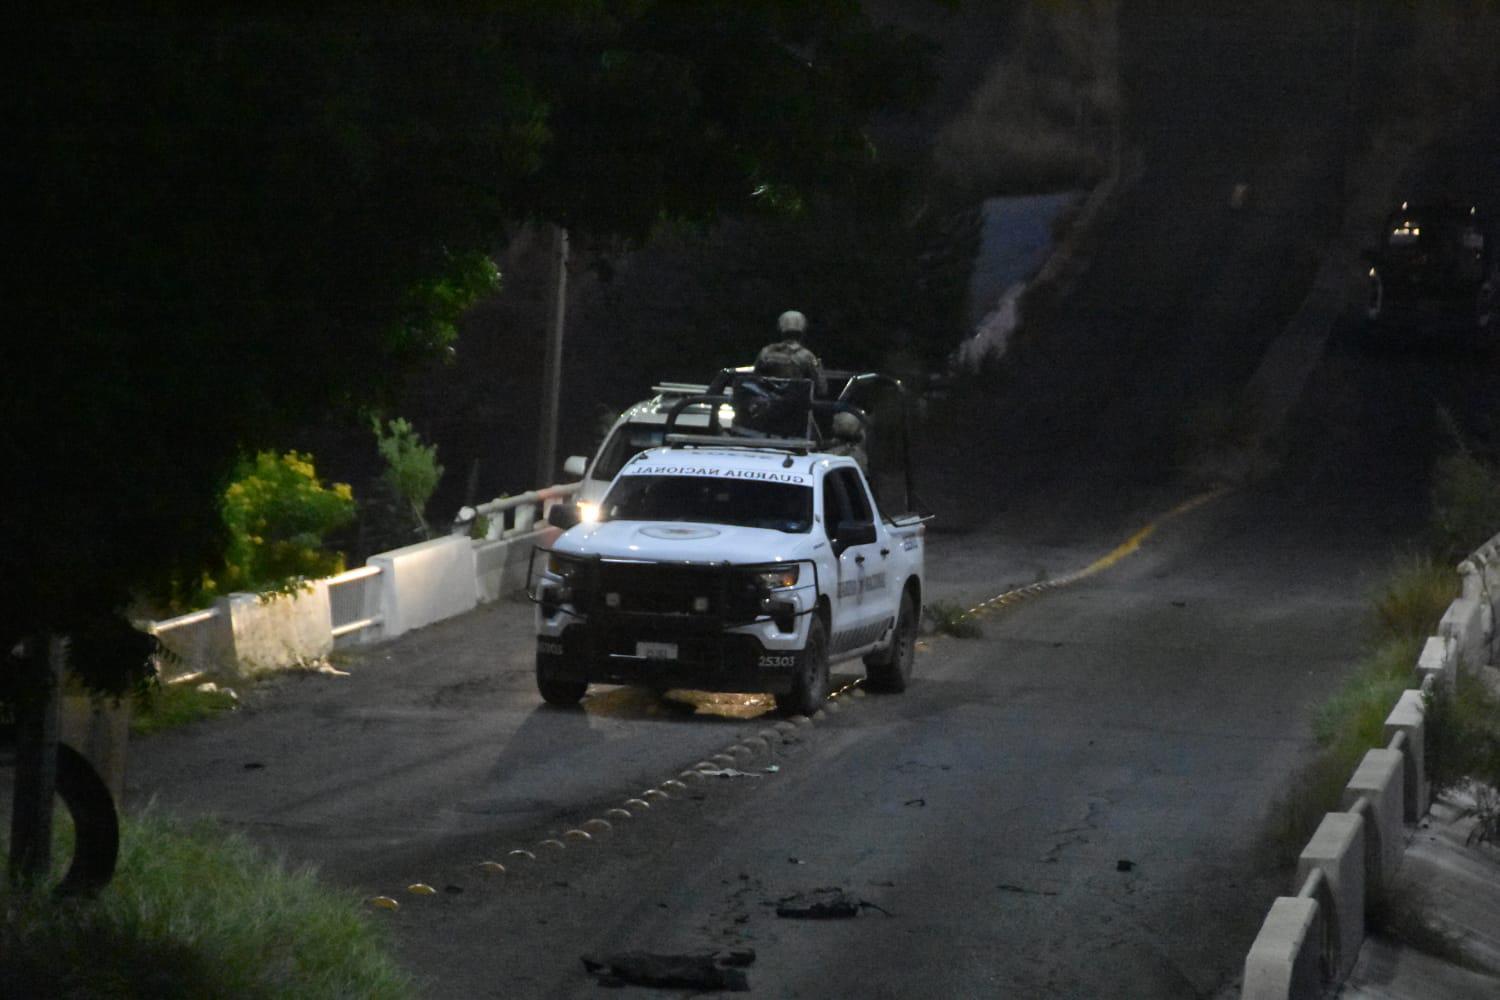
(564, 694)
(810, 689)
(889, 671)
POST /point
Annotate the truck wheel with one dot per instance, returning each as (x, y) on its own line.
(562, 693)
(810, 689)
(890, 670)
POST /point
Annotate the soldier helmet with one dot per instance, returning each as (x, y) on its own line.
(846, 426)
(792, 321)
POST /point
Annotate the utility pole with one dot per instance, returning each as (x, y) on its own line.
(557, 304)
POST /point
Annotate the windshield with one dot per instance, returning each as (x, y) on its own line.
(627, 442)
(747, 503)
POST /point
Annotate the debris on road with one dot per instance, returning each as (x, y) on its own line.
(823, 904)
(725, 772)
(1124, 865)
(1022, 890)
(915, 802)
(697, 971)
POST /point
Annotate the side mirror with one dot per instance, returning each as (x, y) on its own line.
(563, 515)
(852, 533)
(575, 466)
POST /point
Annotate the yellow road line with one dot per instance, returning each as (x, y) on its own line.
(1104, 562)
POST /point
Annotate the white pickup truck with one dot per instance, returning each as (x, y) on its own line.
(725, 566)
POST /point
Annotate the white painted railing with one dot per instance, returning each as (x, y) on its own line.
(1312, 939)
(352, 595)
(508, 517)
(392, 593)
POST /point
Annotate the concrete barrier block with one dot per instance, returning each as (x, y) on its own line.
(1283, 963)
(1471, 580)
(1463, 623)
(1337, 848)
(206, 645)
(425, 583)
(1408, 717)
(1440, 659)
(276, 631)
(1489, 578)
(500, 566)
(1380, 781)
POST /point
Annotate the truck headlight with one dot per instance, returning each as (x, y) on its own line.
(563, 566)
(588, 513)
(778, 577)
(568, 569)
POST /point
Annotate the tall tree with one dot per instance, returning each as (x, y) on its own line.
(224, 225)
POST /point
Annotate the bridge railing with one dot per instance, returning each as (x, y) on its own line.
(484, 559)
(1311, 939)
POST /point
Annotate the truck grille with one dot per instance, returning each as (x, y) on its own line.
(673, 589)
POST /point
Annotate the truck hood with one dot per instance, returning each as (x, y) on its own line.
(684, 541)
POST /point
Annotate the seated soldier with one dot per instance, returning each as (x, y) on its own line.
(849, 439)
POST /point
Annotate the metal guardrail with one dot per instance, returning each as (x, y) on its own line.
(512, 516)
(350, 598)
(356, 599)
(183, 621)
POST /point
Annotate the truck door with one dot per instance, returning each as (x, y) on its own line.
(860, 602)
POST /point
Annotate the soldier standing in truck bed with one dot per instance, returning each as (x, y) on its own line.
(789, 357)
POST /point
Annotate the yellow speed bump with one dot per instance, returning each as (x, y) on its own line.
(577, 835)
(636, 804)
(522, 855)
(384, 903)
(553, 843)
(421, 889)
(618, 813)
(492, 867)
(598, 826)
(653, 794)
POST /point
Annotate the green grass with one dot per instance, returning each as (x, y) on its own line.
(1355, 715)
(1415, 593)
(195, 912)
(1314, 790)
(948, 618)
(1406, 609)
(1465, 503)
(166, 706)
(1463, 734)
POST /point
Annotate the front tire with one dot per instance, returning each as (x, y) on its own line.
(810, 689)
(889, 671)
(564, 694)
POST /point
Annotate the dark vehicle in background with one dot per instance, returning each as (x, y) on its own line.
(1434, 272)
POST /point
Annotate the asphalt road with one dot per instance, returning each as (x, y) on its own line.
(1068, 806)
